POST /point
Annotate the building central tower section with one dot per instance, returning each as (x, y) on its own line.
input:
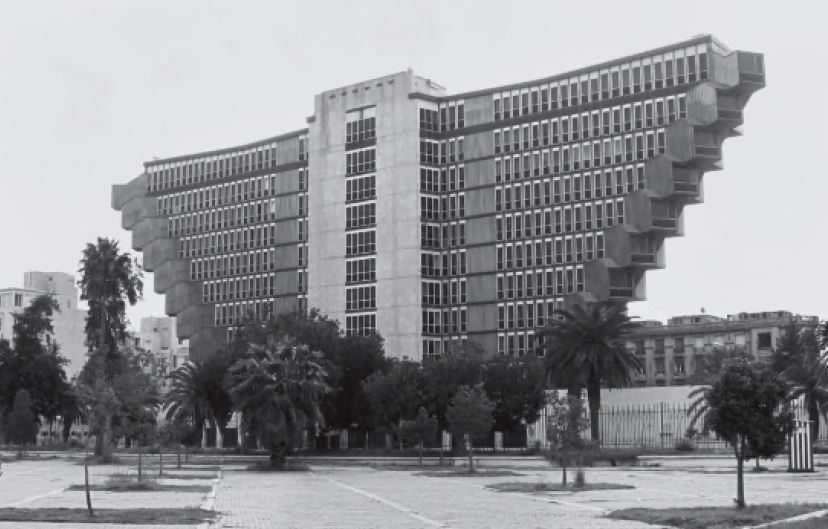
(364, 217)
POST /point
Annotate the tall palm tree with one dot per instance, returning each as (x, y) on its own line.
(198, 392)
(797, 358)
(279, 388)
(109, 279)
(584, 347)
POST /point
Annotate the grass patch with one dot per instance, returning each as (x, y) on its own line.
(142, 486)
(163, 517)
(520, 486)
(466, 474)
(265, 466)
(718, 517)
(820, 522)
(154, 475)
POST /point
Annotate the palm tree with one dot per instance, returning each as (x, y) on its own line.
(198, 392)
(279, 389)
(108, 278)
(797, 358)
(584, 347)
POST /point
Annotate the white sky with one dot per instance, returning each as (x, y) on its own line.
(90, 90)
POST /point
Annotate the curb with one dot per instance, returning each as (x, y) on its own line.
(806, 516)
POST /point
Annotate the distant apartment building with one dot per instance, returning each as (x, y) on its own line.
(437, 218)
(158, 343)
(669, 353)
(68, 323)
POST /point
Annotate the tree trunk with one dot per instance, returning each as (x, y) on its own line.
(594, 396)
(470, 452)
(813, 416)
(420, 453)
(277, 455)
(563, 473)
(740, 475)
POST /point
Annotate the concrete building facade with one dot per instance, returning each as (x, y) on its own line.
(670, 353)
(437, 219)
(158, 343)
(68, 323)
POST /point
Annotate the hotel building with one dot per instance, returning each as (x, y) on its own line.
(435, 218)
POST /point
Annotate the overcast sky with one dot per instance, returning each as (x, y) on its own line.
(90, 90)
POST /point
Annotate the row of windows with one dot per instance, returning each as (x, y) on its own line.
(361, 324)
(361, 270)
(682, 66)
(241, 263)
(360, 215)
(632, 147)
(527, 315)
(433, 348)
(361, 298)
(227, 217)
(360, 243)
(447, 207)
(236, 312)
(538, 283)
(443, 264)
(520, 343)
(570, 188)
(443, 236)
(361, 161)
(228, 241)
(361, 188)
(442, 180)
(451, 116)
(361, 125)
(578, 248)
(566, 220)
(198, 170)
(436, 322)
(228, 194)
(240, 288)
(441, 152)
(443, 293)
(597, 123)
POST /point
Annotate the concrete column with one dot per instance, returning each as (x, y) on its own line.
(498, 440)
(204, 435)
(219, 437)
(446, 441)
(343, 439)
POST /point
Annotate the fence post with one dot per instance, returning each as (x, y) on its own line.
(86, 486)
(179, 458)
(139, 463)
(160, 460)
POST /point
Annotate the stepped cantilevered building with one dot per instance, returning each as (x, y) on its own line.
(435, 218)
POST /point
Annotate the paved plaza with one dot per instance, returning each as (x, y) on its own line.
(359, 496)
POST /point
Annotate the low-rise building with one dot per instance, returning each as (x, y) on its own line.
(668, 352)
(158, 341)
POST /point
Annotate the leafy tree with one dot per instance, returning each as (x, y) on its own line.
(564, 425)
(585, 347)
(470, 415)
(349, 364)
(745, 408)
(394, 395)
(34, 362)
(517, 385)
(198, 392)
(444, 377)
(279, 389)
(109, 280)
(418, 431)
(22, 421)
(797, 358)
(707, 367)
(71, 410)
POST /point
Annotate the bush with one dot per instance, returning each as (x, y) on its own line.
(685, 444)
(580, 479)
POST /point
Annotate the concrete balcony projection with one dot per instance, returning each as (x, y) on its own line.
(673, 179)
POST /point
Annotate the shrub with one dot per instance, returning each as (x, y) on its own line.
(580, 479)
(685, 444)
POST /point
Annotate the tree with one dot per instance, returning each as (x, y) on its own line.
(279, 389)
(470, 415)
(34, 362)
(418, 431)
(22, 421)
(585, 348)
(395, 395)
(109, 280)
(564, 425)
(708, 366)
(745, 407)
(797, 358)
(517, 386)
(443, 378)
(198, 392)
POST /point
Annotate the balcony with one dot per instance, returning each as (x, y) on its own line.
(665, 223)
(647, 259)
(686, 188)
(621, 292)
